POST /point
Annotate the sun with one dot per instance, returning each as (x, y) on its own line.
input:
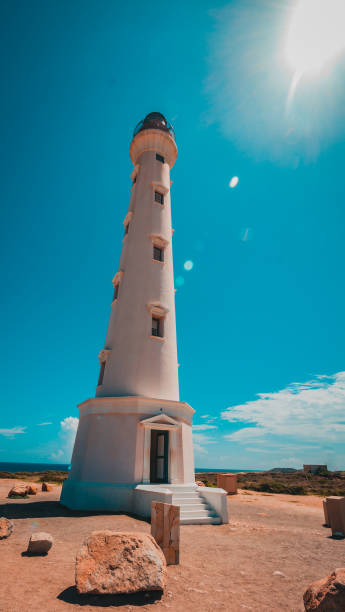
(316, 34)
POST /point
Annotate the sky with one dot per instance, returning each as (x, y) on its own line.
(260, 310)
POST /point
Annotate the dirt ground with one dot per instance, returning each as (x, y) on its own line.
(264, 559)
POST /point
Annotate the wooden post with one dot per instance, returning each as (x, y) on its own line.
(336, 514)
(165, 528)
(325, 511)
(228, 482)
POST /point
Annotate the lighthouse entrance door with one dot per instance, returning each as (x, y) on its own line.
(159, 456)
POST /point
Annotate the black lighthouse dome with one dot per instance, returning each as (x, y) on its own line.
(155, 121)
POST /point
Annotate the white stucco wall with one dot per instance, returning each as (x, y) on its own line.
(141, 373)
(137, 363)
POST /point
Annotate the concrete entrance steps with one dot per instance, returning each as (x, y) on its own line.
(194, 510)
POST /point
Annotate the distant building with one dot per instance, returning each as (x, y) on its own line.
(314, 469)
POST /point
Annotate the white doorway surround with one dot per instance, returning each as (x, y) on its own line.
(161, 422)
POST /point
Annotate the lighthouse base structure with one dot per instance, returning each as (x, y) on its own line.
(130, 451)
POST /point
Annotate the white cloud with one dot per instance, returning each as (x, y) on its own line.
(310, 416)
(41, 424)
(247, 434)
(199, 440)
(70, 424)
(67, 433)
(12, 432)
(199, 449)
(204, 426)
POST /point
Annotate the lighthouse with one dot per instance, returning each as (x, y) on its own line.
(134, 439)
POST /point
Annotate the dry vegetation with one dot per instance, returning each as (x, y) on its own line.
(47, 476)
(295, 483)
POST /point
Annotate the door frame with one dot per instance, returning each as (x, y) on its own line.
(160, 422)
(154, 456)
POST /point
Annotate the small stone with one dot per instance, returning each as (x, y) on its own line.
(6, 528)
(32, 490)
(326, 594)
(277, 573)
(40, 543)
(46, 487)
(18, 490)
(115, 562)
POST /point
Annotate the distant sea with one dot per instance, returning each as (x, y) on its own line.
(63, 467)
(33, 467)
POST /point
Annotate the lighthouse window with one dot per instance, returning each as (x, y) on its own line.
(101, 373)
(126, 228)
(158, 254)
(159, 197)
(116, 292)
(160, 158)
(157, 327)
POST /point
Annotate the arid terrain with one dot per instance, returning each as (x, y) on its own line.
(273, 547)
(294, 483)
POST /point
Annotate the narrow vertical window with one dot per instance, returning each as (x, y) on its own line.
(116, 292)
(156, 327)
(126, 228)
(160, 158)
(101, 373)
(158, 253)
(159, 197)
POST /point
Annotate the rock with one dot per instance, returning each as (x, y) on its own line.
(40, 543)
(46, 487)
(200, 483)
(115, 562)
(18, 490)
(32, 490)
(327, 594)
(6, 527)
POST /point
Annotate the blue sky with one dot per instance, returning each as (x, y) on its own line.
(260, 316)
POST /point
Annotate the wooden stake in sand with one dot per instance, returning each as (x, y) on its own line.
(165, 528)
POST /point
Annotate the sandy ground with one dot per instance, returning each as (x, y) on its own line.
(223, 567)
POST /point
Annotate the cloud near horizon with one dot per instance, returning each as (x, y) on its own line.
(199, 440)
(305, 422)
(67, 433)
(12, 432)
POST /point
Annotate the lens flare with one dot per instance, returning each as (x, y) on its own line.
(179, 281)
(188, 265)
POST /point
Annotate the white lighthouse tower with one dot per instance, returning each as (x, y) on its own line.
(134, 439)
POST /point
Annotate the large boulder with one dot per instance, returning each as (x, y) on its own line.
(327, 594)
(6, 528)
(46, 486)
(40, 543)
(32, 490)
(115, 562)
(19, 490)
